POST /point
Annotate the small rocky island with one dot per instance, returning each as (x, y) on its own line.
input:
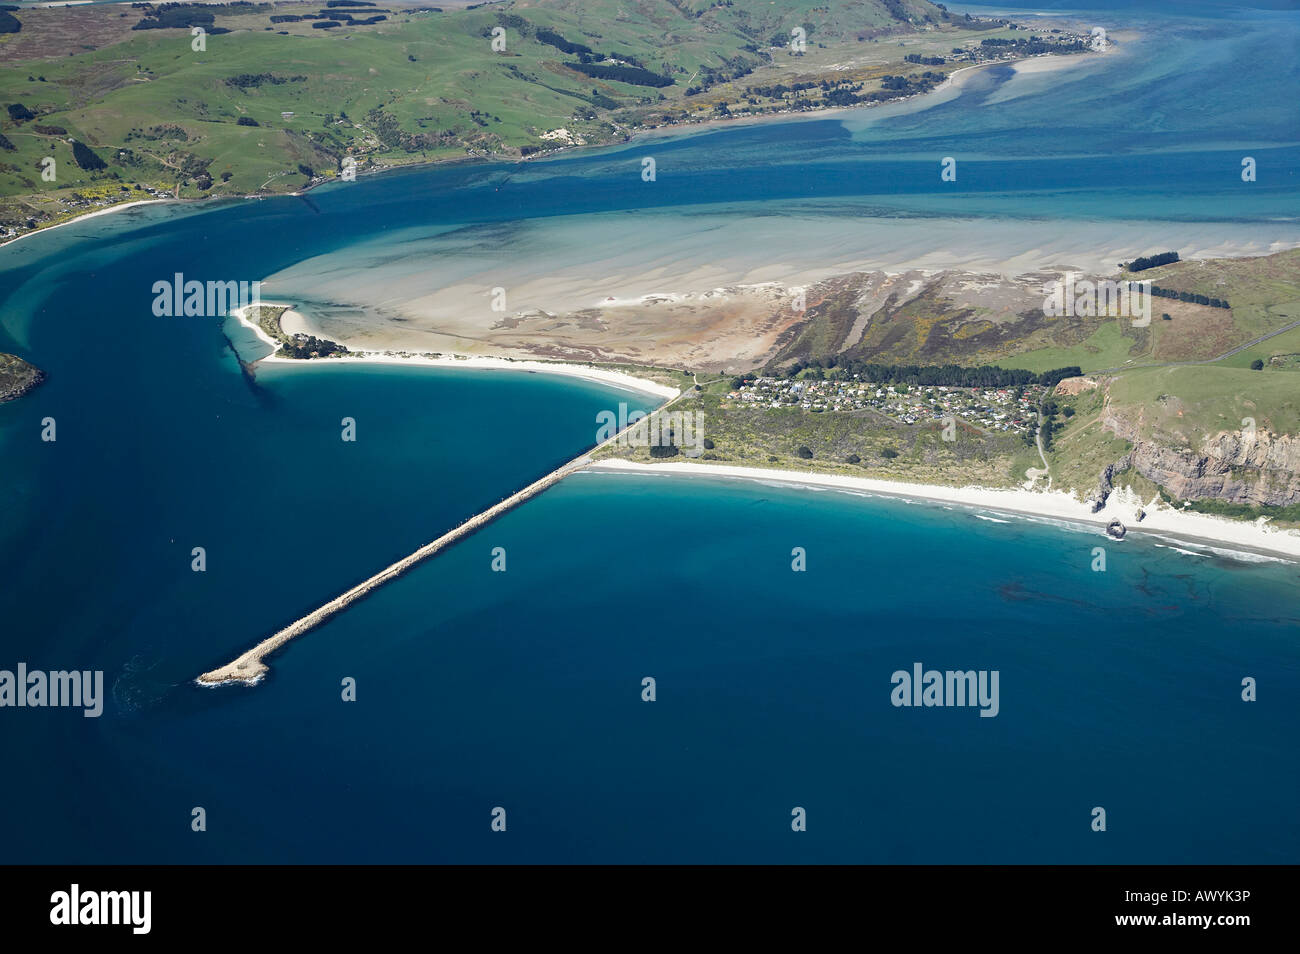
(17, 377)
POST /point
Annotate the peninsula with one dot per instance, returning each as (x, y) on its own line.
(17, 377)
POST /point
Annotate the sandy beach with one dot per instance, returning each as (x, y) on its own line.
(617, 379)
(952, 83)
(606, 376)
(710, 290)
(81, 218)
(1161, 521)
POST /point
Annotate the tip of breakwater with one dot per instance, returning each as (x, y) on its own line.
(233, 674)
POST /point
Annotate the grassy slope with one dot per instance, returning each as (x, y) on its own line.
(1081, 450)
(1180, 404)
(1109, 346)
(434, 74)
(1174, 406)
(428, 68)
(1265, 296)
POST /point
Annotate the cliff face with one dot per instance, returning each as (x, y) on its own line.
(1232, 466)
(17, 377)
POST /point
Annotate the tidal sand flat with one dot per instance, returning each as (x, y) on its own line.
(1054, 170)
(565, 298)
(294, 323)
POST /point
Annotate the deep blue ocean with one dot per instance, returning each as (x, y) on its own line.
(522, 689)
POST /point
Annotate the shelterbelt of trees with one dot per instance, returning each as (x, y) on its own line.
(1151, 261)
(947, 375)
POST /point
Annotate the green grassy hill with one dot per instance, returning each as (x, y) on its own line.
(271, 106)
(1180, 405)
(936, 326)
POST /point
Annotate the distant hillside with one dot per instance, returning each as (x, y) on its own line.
(124, 105)
(1220, 436)
(829, 19)
(948, 318)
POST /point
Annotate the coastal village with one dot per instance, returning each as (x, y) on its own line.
(1012, 409)
(80, 203)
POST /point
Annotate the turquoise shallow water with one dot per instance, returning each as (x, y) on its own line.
(522, 689)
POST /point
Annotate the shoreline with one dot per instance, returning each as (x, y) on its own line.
(663, 131)
(120, 207)
(1161, 522)
(619, 379)
(668, 130)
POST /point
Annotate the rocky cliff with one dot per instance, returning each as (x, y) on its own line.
(1244, 467)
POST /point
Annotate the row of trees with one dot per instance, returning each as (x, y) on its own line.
(590, 62)
(779, 90)
(551, 38)
(254, 80)
(634, 75)
(177, 17)
(351, 21)
(1049, 425)
(948, 375)
(86, 157)
(1034, 45)
(309, 346)
(1192, 297)
(1152, 261)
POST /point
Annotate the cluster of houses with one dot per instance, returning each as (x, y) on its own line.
(992, 409)
(78, 204)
